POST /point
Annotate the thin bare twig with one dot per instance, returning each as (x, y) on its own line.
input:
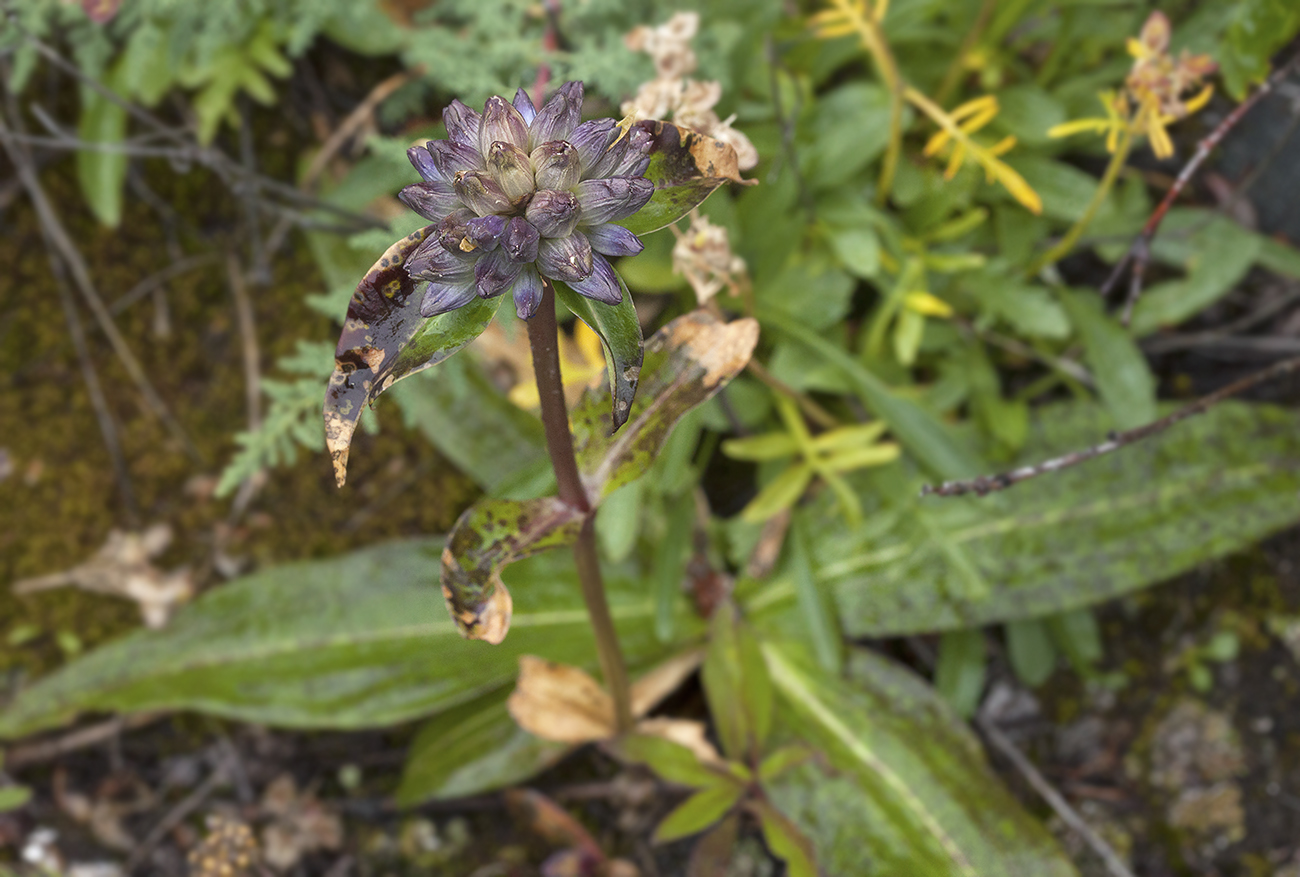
(1054, 799)
(159, 279)
(175, 817)
(73, 741)
(1140, 250)
(985, 484)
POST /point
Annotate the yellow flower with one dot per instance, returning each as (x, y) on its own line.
(1112, 125)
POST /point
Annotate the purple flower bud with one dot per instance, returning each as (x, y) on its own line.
(494, 273)
(555, 214)
(527, 292)
(434, 262)
(512, 170)
(566, 259)
(607, 200)
(524, 104)
(502, 122)
(440, 298)
(426, 200)
(480, 193)
(637, 157)
(463, 124)
(591, 139)
(452, 231)
(601, 285)
(422, 161)
(559, 116)
(556, 165)
(454, 158)
(521, 240)
(614, 240)
(485, 232)
(612, 157)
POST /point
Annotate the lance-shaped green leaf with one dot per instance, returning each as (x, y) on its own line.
(489, 536)
(686, 167)
(687, 361)
(349, 642)
(737, 685)
(910, 792)
(385, 339)
(619, 331)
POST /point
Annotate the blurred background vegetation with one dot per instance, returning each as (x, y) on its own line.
(190, 194)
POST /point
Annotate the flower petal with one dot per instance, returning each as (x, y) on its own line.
(422, 161)
(495, 273)
(559, 116)
(555, 165)
(614, 240)
(452, 231)
(426, 200)
(521, 240)
(502, 123)
(524, 104)
(434, 262)
(611, 199)
(602, 285)
(567, 259)
(463, 124)
(442, 297)
(453, 158)
(510, 167)
(485, 232)
(555, 214)
(527, 292)
(637, 158)
(591, 139)
(481, 193)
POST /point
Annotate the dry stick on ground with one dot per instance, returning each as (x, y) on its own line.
(62, 243)
(252, 376)
(174, 817)
(1139, 251)
(73, 741)
(985, 484)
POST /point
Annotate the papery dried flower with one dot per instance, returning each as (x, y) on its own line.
(521, 194)
(703, 256)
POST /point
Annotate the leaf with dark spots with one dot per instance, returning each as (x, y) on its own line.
(385, 339)
(686, 167)
(686, 362)
(489, 536)
(619, 331)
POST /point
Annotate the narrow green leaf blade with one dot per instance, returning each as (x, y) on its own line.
(1030, 651)
(619, 331)
(737, 685)
(1124, 380)
(911, 792)
(101, 172)
(959, 675)
(699, 811)
(671, 761)
(814, 605)
(385, 339)
(786, 841)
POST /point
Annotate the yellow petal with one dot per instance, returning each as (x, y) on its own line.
(1200, 100)
(936, 143)
(1161, 145)
(977, 105)
(1016, 185)
(925, 303)
(1078, 126)
(955, 160)
(1003, 146)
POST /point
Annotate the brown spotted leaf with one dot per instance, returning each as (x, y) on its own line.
(686, 362)
(385, 339)
(686, 167)
(489, 536)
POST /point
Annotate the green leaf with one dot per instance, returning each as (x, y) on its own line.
(910, 792)
(1062, 187)
(686, 167)
(1131, 519)
(1218, 257)
(668, 569)
(1259, 28)
(1030, 651)
(385, 339)
(786, 841)
(959, 674)
(619, 331)
(1027, 308)
(102, 173)
(1079, 636)
(814, 605)
(845, 129)
(857, 248)
(671, 761)
(687, 361)
(470, 749)
(356, 641)
(737, 685)
(779, 494)
(918, 430)
(1124, 381)
(619, 522)
(699, 811)
(783, 759)
(13, 797)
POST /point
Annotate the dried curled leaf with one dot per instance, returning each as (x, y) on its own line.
(385, 339)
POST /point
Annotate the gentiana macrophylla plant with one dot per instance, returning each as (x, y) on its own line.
(528, 204)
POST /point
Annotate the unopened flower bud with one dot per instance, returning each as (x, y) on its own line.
(480, 193)
(607, 200)
(454, 158)
(556, 165)
(614, 240)
(494, 273)
(560, 116)
(591, 139)
(524, 104)
(567, 259)
(452, 231)
(602, 284)
(430, 200)
(512, 170)
(502, 122)
(423, 162)
(554, 213)
(463, 124)
(527, 292)
(520, 240)
(485, 232)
